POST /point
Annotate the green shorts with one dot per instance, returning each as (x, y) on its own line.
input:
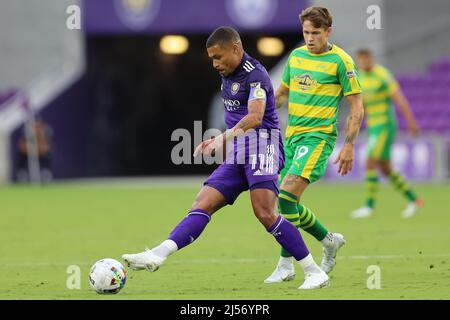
(380, 142)
(306, 157)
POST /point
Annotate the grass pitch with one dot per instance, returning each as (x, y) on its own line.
(45, 230)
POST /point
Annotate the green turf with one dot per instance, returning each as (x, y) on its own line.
(44, 230)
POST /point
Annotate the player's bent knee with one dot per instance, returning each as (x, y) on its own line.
(266, 216)
(209, 200)
(207, 205)
(203, 205)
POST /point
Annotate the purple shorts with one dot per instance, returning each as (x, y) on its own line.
(256, 167)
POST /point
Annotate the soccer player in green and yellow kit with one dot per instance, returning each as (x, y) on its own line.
(380, 90)
(316, 78)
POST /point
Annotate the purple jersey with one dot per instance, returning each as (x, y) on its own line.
(236, 88)
(257, 156)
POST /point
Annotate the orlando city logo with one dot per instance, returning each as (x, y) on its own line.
(235, 88)
(305, 81)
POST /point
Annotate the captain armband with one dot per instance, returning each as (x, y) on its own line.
(256, 92)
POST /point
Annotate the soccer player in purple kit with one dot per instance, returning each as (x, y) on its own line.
(249, 103)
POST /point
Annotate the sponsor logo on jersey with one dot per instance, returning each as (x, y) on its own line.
(305, 81)
(231, 105)
(351, 74)
(235, 88)
(255, 84)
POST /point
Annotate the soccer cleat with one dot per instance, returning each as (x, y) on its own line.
(282, 273)
(363, 212)
(315, 280)
(144, 260)
(412, 208)
(329, 253)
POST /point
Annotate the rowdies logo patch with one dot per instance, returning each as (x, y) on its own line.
(305, 81)
(235, 88)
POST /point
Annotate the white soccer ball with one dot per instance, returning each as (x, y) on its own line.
(107, 276)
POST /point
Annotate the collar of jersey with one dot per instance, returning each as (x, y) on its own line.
(332, 50)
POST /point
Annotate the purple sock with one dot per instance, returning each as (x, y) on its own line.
(289, 237)
(190, 228)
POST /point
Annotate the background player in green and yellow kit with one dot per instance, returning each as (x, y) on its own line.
(380, 91)
(316, 77)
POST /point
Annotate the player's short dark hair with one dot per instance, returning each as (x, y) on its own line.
(320, 17)
(364, 52)
(221, 35)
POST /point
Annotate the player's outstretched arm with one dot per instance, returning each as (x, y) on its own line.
(254, 118)
(400, 100)
(281, 96)
(346, 156)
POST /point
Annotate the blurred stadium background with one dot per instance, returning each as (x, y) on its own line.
(111, 94)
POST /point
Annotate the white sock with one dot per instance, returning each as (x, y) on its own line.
(309, 265)
(328, 241)
(285, 261)
(165, 249)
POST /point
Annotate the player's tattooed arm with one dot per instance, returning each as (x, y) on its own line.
(253, 119)
(281, 96)
(346, 156)
(355, 118)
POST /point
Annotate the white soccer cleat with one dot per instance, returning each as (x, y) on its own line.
(315, 280)
(282, 273)
(329, 253)
(412, 208)
(144, 260)
(363, 212)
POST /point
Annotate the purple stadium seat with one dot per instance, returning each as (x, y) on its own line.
(429, 96)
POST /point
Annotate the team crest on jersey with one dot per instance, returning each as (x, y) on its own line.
(235, 88)
(305, 81)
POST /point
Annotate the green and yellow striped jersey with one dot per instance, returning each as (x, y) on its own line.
(317, 84)
(378, 85)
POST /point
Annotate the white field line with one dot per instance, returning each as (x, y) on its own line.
(240, 261)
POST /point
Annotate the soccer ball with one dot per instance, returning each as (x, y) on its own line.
(107, 276)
